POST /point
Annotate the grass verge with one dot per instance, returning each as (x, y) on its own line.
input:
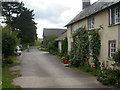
(8, 75)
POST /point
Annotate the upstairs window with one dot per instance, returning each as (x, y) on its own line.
(91, 23)
(115, 15)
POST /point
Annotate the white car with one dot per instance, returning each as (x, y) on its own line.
(18, 50)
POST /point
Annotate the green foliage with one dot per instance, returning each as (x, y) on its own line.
(52, 47)
(95, 44)
(7, 78)
(50, 43)
(9, 41)
(27, 31)
(8, 75)
(21, 20)
(116, 58)
(109, 77)
(85, 68)
(37, 43)
(81, 43)
(10, 8)
(64, 46)
(83, 40)
(89, 70)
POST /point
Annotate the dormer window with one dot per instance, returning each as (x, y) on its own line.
(91, 23)
(115, 15)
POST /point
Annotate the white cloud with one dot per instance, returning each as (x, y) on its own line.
(53, 13)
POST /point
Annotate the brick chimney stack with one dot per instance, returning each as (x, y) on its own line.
(86, 3)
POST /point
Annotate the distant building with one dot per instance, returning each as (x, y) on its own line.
(59, 40)
(51, 31)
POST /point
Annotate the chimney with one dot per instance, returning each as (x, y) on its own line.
(86, 3)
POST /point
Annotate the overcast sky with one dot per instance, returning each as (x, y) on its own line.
(53, 13)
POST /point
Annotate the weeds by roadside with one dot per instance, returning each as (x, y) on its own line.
(8, 75)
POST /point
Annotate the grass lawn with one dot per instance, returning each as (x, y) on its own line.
(8, 75)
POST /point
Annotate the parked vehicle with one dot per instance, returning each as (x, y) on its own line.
(20, 46)
(18, 50)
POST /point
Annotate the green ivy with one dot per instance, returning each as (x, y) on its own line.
(81, 43)
(64, 46)
(82, 39)
(95, 44)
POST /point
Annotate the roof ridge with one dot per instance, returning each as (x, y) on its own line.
(94, 8)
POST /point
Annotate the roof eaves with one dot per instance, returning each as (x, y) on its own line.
(74, 21)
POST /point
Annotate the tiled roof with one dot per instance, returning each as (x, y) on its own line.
(93, 9)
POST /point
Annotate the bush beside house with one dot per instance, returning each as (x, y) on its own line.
(50, 44)
(109, 76)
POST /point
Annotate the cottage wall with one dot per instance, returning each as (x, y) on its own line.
(108, 33)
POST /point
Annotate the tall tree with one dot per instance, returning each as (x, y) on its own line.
(21, 20)
(25, 23)
(10, 10)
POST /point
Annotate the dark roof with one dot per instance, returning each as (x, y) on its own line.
(92, 9)
(50, 31)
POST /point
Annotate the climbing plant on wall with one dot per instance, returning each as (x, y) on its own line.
(64, 46)
(80, 38)
(83, 41)
(95, 44)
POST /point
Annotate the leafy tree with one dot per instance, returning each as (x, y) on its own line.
(9, 41)
(11, 10)
(28, 29)
(21, 20)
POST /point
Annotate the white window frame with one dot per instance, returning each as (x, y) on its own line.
(91, 23)
(115, 13)
(112, 48)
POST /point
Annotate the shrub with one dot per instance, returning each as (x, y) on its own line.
(109, 77)
(116, 58)
(51, 44)
(9, 42)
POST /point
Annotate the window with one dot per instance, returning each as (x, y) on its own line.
(112, 48)
(91, 23)
(115, 15)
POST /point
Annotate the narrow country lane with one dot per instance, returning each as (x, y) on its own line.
(42, 70)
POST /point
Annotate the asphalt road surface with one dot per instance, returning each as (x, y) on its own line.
(42, 70)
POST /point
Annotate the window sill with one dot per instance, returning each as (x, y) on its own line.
(113, 25)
